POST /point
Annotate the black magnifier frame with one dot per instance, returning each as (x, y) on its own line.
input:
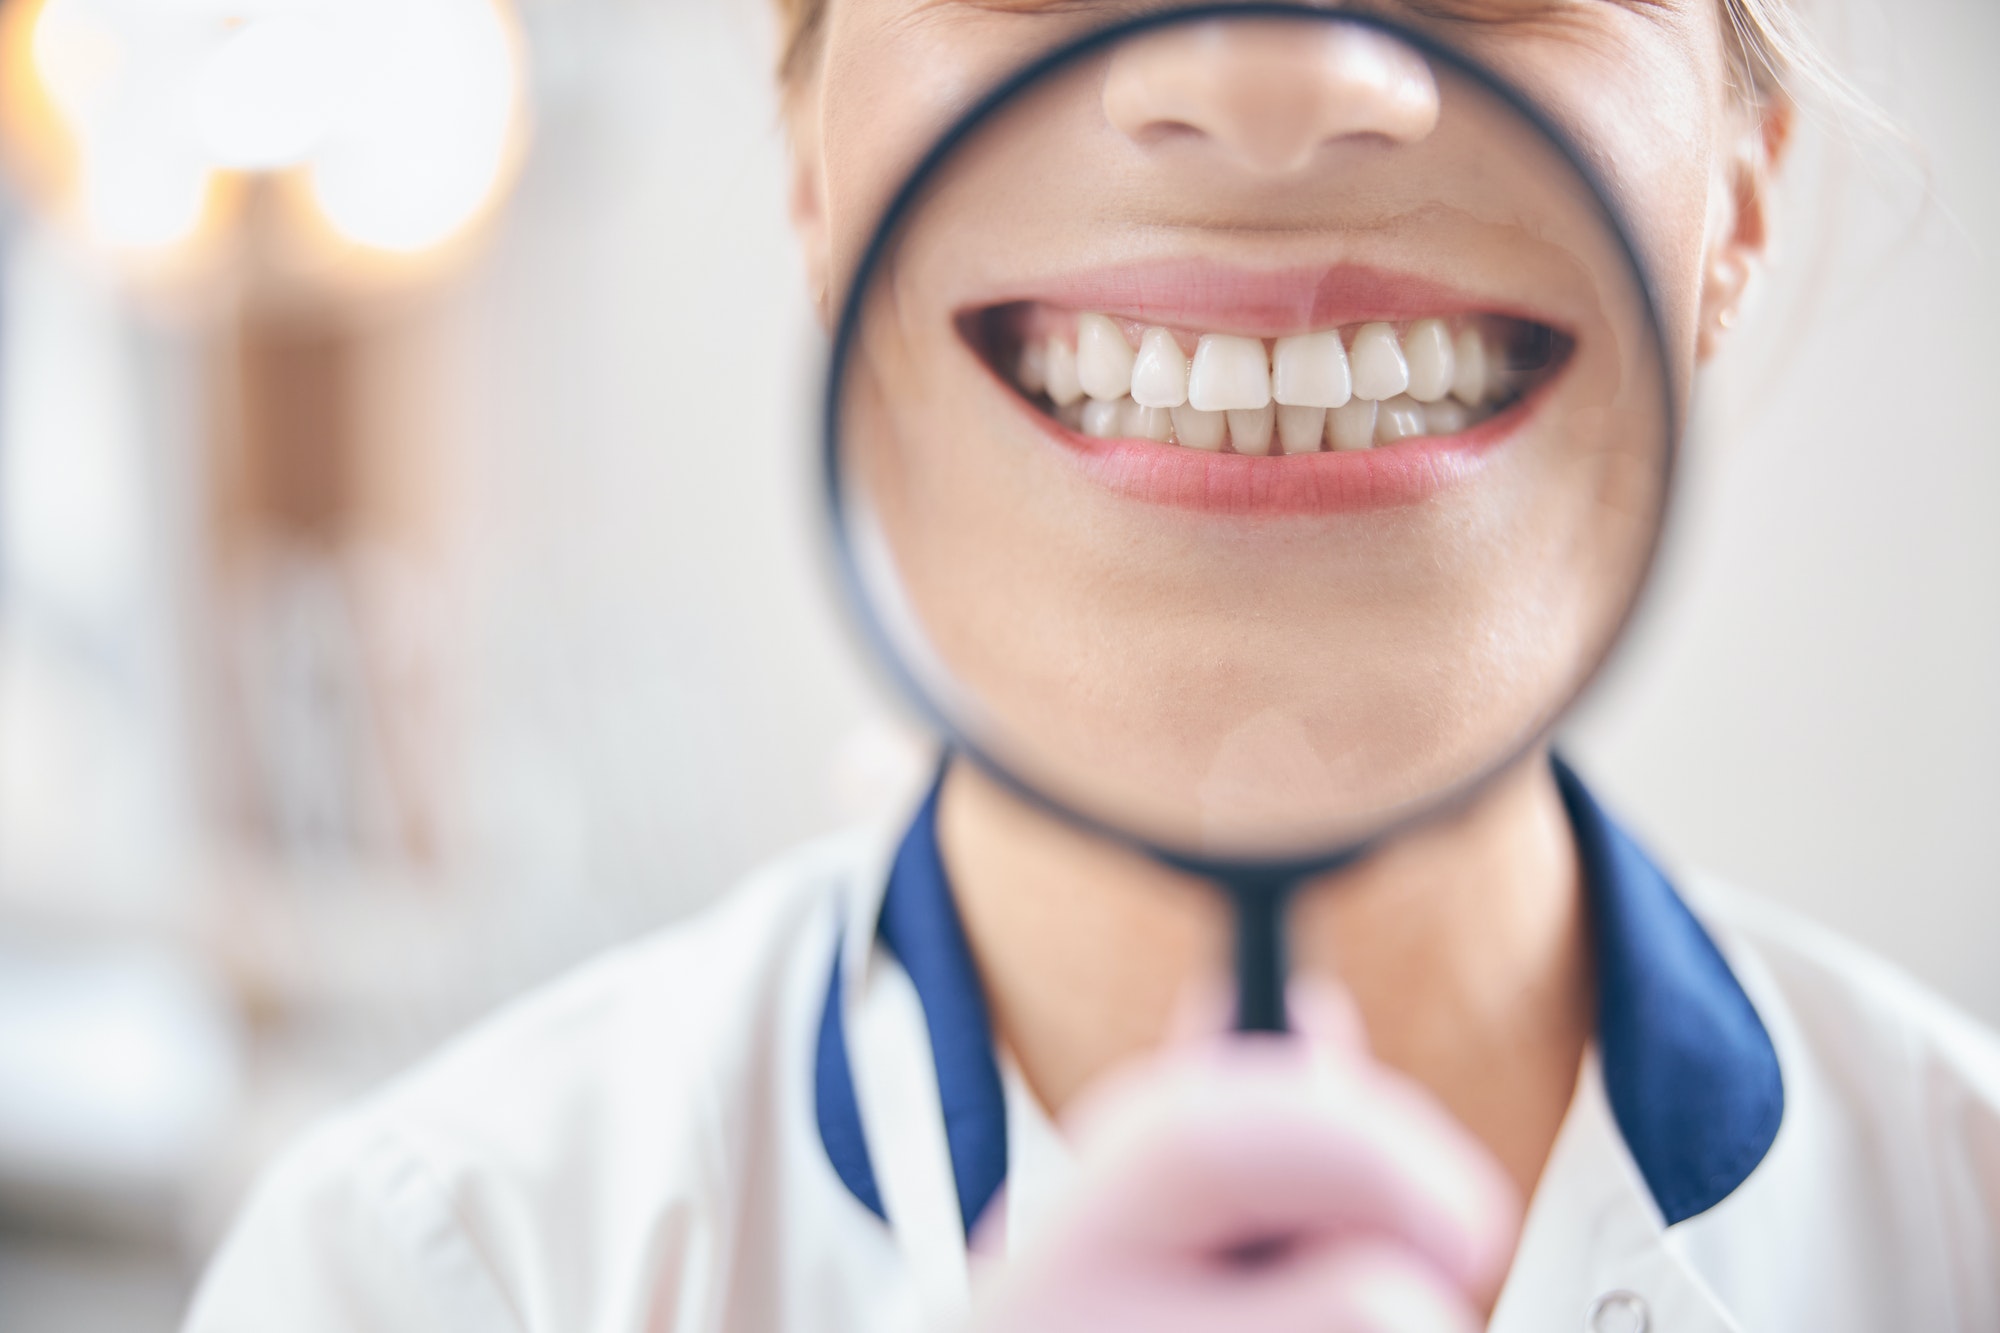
(1260, 889)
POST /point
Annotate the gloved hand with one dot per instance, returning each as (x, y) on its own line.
(1266, 1185)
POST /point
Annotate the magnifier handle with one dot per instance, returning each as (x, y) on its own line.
(1260, 958)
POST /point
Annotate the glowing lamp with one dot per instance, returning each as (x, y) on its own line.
(389, 125)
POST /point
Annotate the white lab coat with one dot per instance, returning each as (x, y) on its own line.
(645, 1147)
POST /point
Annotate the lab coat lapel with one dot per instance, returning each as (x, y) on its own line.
(895, 1082)
(1678, 1104)
(878, 1075)
(1595, 1253)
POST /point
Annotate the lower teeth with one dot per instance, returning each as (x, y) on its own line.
(1361, 424)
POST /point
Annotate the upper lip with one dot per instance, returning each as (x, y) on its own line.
(1259, 302)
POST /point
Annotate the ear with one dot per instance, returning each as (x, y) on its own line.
(807, 190)
(1740, 221)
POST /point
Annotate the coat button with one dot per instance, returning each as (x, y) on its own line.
(1618, 1312)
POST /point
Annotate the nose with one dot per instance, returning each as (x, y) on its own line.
(1267, 94)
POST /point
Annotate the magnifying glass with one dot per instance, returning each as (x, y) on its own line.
(1248, 431)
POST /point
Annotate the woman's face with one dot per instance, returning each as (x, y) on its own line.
(1262, 424)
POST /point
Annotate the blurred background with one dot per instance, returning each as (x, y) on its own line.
(410, 580)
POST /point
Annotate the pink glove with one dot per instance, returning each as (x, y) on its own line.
(1266, 1185)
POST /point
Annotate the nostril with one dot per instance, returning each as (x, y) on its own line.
(1165, 130)
(1269, 94)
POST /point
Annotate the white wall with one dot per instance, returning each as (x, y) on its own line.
(1811, 708)
(661, 684)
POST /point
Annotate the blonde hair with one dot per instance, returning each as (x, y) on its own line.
(1770, 50)
(1775, 56)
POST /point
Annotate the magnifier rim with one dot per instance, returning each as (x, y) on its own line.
(1245, 873)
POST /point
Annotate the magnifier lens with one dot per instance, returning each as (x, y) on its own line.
(1249, 433)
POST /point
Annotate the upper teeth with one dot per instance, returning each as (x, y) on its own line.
(1104, 359)
(1160, 375)
(1229, 373)
(1380, 369)
(1433, 359)
(1468, 380)
(1311, 370)
(1059, 372)
(1298, 394)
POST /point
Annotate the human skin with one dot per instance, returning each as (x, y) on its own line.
(1462, 943)
(1250, 651)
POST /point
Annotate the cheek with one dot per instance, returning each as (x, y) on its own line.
(897, 74)
(1647, 111)
(1672, 226)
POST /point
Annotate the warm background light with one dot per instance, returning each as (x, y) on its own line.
(394, 125)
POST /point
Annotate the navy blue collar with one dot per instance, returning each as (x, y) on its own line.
(1689, 1070)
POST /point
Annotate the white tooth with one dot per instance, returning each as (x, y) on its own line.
(1144, 423)
(1432, 360)
(1402, 418)
(1103, 358)
(1200, 430)
(1446, 417)
(1250, 429)
(1300, 428)
(1468, 375)
(1310, 370)
(1032, 372)
(1352, 426)
(1379, 368)
(1059, 367)
(1160, 375)
(1100, 418)
(1229, 373)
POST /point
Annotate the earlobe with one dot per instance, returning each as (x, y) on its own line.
(1740, 229)
(1725, 284)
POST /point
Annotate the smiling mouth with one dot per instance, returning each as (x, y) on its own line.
(1351, 388)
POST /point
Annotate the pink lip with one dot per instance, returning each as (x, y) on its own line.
(1405, 473)
(1221, 299)
(1262, 303)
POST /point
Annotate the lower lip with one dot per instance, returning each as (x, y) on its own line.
(1388, 476)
